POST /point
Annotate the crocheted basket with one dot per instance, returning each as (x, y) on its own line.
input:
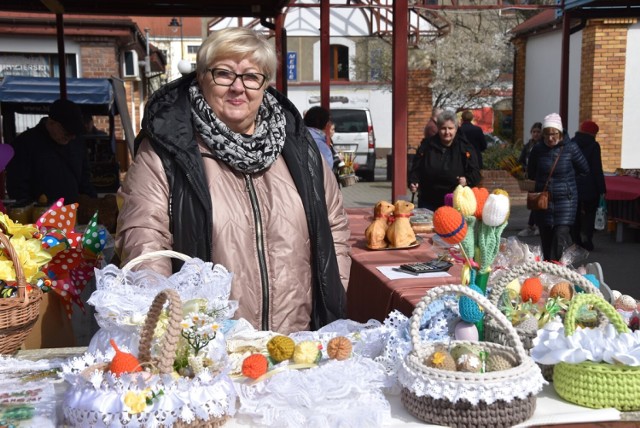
(17, 314)
(96, 398)
(451, 398)
(494, 332)
(597, 385)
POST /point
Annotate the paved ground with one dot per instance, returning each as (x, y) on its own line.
(618, 259)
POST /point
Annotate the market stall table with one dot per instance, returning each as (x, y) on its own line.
(371, 294)
(623, 201)
(550, 409)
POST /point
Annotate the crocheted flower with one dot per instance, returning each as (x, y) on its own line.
(136, 401)
(495, 210)
(449, 224)
(494, 221)
(481, 195)
(464, 200)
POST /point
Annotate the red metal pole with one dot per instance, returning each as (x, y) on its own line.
(325, 55)
(399, 98)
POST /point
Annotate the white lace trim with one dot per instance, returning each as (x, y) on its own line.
(335, 394)
(551, 346)
(517, 382)
(97, 401)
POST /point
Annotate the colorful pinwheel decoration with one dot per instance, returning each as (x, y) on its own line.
(75, 254)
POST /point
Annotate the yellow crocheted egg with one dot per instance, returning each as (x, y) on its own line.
(339, 348)
(562, 289)
(469, 362)
(441, 359)
(280, 348)
(514, 287)
(498, 361)
(307, 352)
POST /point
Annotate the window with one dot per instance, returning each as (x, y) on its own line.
(192, 49)
(339, 62)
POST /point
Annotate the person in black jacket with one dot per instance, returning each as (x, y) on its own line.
(536, 137)
(473, 134)
(590, 187)
(442, 162)
(49, 160)
(555, 222)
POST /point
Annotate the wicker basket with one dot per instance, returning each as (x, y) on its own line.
(494, 332)
(527, 185)
(17, 314)
(97, 413)
(597, 385)
(468, 399)
(348, 180)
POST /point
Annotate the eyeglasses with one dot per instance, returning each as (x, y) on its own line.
(224, 77)
(551, 134)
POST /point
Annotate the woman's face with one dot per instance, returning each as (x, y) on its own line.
(235, 105)
(447, 132)
(536, 134)
(551, 136)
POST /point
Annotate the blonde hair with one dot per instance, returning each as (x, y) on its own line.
(237, 42)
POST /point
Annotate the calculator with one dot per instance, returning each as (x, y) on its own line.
(426, 267)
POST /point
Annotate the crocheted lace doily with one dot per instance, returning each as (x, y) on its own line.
(335, 394)
(97, 400)
(551, 346)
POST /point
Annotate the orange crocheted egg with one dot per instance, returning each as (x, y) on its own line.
(123, 362)
(254, 366)
(339, 348)
(562, 289)
(449, 224)
(481, 195)
(531, 290)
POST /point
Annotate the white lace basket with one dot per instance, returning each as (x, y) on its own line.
(451, 398)
(123, 297)
(97, 398)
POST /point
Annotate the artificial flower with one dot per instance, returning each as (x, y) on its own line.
(16, 229)
(31, 256)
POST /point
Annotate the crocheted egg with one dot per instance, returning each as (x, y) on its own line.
(458, 350)
(449, 224)
(495, 210)
(466, 331)
(469, 310)
(498, 361)
(307, 352)
(562, 289)
(280, 348)
(626, 303)
(469, 362)
(464, 200)
(529, 324)
(481, 195)
(616, 295)
(440, 359)
(123, 362)
(339, 348)
(514, 287)
(531, 289)
(254, 366)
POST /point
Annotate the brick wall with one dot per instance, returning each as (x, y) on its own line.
(419, 106)
(604, 46)
(520, 62)
(498, 179)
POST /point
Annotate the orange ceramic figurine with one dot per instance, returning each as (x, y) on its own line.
(400, 233)
(377, 231)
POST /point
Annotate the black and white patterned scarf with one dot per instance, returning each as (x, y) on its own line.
(244, 153)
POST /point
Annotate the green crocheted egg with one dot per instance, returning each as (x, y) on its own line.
(280, 348)
(441, 359)
(498, 361)
(458, 350)
(468, 362)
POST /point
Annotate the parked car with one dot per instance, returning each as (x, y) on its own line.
(493, 140)
(354, 132)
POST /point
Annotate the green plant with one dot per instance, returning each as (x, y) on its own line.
(492, 157)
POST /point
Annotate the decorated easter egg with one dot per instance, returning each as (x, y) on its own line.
(562, 289)
(280, 348)
(497, 361)
(626, 303)
(514, 287)
(466, 331)
(307, 352)
(254, 366)
(531, 289)
(469, 362)
(449, 224)
(441, 359)
(464, 348)
(339, 348)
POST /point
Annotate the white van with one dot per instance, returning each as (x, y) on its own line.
(354, 132)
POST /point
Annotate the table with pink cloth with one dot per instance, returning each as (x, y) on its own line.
(623, 201)
(371, 295)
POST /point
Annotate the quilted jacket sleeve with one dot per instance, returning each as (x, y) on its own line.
(143, 221)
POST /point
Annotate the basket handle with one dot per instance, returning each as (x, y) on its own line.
(20, 278)
(545, 267)
(489, 308)
(152, 255)
(171, 336)
(601, 305)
